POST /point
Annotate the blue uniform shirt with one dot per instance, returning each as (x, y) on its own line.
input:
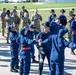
(43, 36)
(73, 26)
(63, 20)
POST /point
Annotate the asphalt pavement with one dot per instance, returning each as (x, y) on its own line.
(69, 69)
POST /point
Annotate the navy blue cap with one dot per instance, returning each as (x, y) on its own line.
(62, 10)
(52, 10)
(47, 24)
(32, 26)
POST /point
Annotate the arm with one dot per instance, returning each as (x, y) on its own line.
(29, 41)
(69, 45)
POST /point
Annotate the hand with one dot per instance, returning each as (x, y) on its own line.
(40, 40)
(39, 43)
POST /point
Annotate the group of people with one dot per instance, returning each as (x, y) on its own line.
(49, 42)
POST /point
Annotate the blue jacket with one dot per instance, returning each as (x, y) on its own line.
(43, 36)
(55, 28)
(63, 20)
(13, 37)
(73, 26)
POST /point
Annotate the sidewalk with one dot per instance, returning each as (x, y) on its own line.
(70, 61)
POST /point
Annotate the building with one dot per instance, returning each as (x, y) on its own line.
(56, 0)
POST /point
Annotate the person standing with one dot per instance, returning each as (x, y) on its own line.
(16, 18)
(13, 48)
(44, 50)
(14, 9)
(3, 14)
(9, 21)
(57, 51)
(22, 12)
(73, 30)
(26, 21)
(36, 18)
(25, 53)
(70, 19)
(52, 12)
(32, 33)
(62, 17)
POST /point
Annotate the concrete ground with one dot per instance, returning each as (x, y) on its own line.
(69, 69)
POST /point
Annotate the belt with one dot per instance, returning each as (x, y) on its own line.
(73, 32)
(25, 48)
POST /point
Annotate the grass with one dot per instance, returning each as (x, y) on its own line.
(36, 6)
(44, 13)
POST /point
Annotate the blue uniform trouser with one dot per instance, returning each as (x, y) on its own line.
(32, 52)
(41, 60)
(25, 62)
(56, 68)
(14, 58)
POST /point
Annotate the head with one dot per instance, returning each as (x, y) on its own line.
(57, 21)
(8, 12)
(14, 12)
(46, 27)
(54, 16)
(62, 11)
(52, 11)
(73, 10)
(15, 7)
(62, 32)
(32, 27)
(23, 7)
(23, 31)
(17, 21)
(70, 13)
(25, 14)
(11, 28)
(35, 11)
(3, 9)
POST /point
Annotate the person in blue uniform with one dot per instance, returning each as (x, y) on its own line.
(13, 48)
(25, 56)
(73, 35)
(57, 52)
(50, 18)
(62, 17)
(55, 26)
(32, 35)
(44, 51)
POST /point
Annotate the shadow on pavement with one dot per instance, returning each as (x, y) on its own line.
(70, 60)
(5, 60)
(4, 45)
(65, 73)
(4, 66)
(5, 53)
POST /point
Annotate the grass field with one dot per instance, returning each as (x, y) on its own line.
(44, 13)
(36, 5)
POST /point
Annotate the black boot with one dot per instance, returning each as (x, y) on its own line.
(13, 70)
(40, 72)
(16, 67)
(72, 52)
(34, 61)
